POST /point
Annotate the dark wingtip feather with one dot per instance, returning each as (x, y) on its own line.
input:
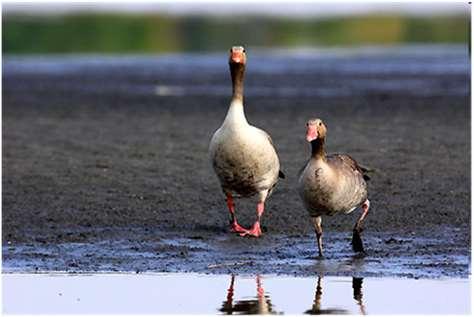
(281, 175)
(366, 169)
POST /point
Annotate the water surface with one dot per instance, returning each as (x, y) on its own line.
(230, 294)
(414, 70)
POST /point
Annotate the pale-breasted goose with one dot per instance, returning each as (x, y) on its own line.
(331, 184)
(242, 155)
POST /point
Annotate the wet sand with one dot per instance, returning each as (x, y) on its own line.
(88, 158)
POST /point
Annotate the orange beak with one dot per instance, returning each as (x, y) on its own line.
(237, 57)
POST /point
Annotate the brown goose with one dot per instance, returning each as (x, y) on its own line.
(330, 184)
(242, 155)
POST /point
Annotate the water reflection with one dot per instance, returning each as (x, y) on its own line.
(151, 294)
(261, 304)
(357, 287)
(317, 310)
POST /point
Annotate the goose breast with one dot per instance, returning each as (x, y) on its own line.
(331, 186)
(244, 159)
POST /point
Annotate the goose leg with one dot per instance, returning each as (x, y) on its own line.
(227, 306)
(260, 291)
(255, 231)
(357, 244)
(357, 287)
(234, 226)
(319, 233)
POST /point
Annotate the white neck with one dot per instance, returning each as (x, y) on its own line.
(235, 115)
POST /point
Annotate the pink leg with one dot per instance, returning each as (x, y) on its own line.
(357, 244)
(230, 291)
(234, 226)
(255, 231)
(227, 306)
(365, 211)
(260, 291)
(319, 233)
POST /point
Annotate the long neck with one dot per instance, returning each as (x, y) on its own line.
(317, 148)
(237, 74)
(235, 115)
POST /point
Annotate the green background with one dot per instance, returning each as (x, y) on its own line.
(155, 33)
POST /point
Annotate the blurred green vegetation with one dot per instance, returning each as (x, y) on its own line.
(119, 33)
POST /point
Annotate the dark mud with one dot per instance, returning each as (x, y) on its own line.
(103, 161)
(130, 250)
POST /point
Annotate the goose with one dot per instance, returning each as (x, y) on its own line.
(316, 308)
(243, 156)
(261, 304)
(357, 295)
(331, 184)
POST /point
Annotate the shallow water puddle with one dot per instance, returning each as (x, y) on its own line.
(230, 294)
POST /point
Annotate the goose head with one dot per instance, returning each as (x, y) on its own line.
(315, 129)
(237, 56)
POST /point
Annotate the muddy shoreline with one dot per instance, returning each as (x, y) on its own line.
(415, 255)
(78, 161)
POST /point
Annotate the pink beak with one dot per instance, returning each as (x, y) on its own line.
(236, 57)
(311, 134)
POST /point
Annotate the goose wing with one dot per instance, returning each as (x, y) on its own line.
(347, 163)
(280, 172)
(302, 168)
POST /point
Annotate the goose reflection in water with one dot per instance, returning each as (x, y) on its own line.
(316, 309)
(357, 287)
(261, 305)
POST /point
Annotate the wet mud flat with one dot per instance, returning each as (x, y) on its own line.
(230, 294)
(413, 255)
(105, 162)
